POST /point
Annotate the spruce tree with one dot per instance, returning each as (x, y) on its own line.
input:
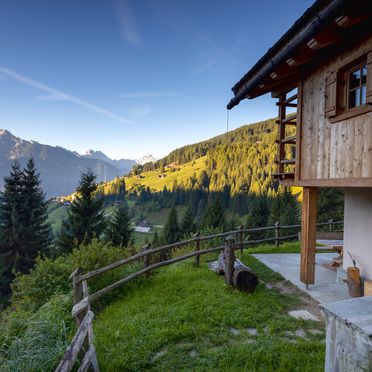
(24, 229)
(119, 230)
(187, 224)
(214, 216)
(11, 257)
(36, 230)
(171, 231)
(85, 219)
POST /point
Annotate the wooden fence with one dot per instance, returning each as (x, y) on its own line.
(82, 343)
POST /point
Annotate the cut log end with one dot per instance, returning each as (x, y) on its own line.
(245, 280)
(243, 277)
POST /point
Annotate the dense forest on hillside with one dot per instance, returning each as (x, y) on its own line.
(241, 160)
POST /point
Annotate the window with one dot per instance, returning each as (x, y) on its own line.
(357, 86)
(348, 91)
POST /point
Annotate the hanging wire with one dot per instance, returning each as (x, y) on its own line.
(227, 126)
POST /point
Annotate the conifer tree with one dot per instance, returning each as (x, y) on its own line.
(156, 240)
(119, 230)
(36, 230)
(85, 219)
(213, 216)
(11, 257)
(24, 229)
(187, 224)
(171, 231)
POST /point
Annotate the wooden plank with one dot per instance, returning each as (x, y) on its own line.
(76, 344)
(299, 97)
(308, 235)
(336, 147)
(281, 134)
(289, 118)
(291, 139)
(88, 359)
(288, 161)
(80, 307)
(336, 182)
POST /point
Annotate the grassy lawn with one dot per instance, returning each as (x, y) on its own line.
(287, 247)
(186, 318)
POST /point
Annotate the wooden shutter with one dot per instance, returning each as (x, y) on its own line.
(369, 78)
(330, 110)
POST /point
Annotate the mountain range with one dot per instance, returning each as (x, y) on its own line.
(59, 168)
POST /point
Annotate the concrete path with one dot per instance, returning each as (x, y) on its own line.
(325, 288)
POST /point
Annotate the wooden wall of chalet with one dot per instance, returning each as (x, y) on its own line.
(341, 150)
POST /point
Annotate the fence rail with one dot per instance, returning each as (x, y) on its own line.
(82, 343)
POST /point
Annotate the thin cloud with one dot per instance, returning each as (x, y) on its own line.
(149, 94)
(127, 22)
(57, 95)
(179, 20)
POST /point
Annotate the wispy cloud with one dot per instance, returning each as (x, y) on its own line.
(127, 22)
(139, 111)
(179, 20)
(149, 94)
(58, 95)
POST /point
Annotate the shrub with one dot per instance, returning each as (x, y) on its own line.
(39, 304)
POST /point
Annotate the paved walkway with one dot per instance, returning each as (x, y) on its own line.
(325, 288)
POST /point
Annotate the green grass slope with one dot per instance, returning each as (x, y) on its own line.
(185, 318)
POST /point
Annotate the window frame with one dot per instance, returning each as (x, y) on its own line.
(343, 111)
(354, 68)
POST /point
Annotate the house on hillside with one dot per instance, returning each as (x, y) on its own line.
(143, 227)
(320, 72)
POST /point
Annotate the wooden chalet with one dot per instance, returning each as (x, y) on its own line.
(321, 68)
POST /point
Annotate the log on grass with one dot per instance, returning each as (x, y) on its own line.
(243, 277)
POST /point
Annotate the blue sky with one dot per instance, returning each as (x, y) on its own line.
(130, 77)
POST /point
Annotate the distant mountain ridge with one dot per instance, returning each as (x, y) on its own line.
(124, 165)
(59, 168)
(148, 158)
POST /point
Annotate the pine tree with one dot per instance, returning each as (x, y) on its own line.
(24, 229)
(171, 231)
(10, 225)
(156, 242)
(187, 224)
(85, 219)
(119, 230)
(36, 230)
(290, 214)
(214, 216)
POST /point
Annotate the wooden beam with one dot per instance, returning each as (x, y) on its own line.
(327, 37)
(299, 131)
(303, 56)
(308, 235)
(348, 20)
(336, 182)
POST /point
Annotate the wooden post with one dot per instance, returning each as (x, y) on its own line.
(77, 293)
(281, 133)
(241, 237)
(330, 224)
(308, 235)
(230, 258)
(277, 234)
(147, 259)
(197, 249)
(89, 339)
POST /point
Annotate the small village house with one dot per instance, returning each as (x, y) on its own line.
(321, 70)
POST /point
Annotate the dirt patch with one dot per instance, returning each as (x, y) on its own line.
(309, 304)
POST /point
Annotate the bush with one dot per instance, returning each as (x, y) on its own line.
(39, 309)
